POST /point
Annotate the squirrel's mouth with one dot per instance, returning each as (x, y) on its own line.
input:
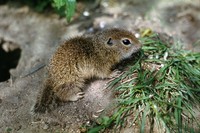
(137, 48)
(131, 53)
(136, 52)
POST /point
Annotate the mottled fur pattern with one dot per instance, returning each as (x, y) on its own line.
(81, 58)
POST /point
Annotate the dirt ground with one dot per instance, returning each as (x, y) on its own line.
(38, 35)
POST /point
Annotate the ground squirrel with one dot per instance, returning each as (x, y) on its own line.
(81, 58)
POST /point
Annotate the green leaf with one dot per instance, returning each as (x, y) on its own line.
(70, 9)
(178, 112)
(68, 5)
(96, 129)
(144, 117)
(59, 3)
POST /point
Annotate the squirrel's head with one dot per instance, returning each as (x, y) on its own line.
(122, 41)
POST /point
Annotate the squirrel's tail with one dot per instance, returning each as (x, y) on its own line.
(46, 99)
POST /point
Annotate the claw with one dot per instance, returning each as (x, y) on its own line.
(77, 96)
(115, 74)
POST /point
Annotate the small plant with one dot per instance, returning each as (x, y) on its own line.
(68, 6)
(62, 7)
(160, 90)
(8, 130)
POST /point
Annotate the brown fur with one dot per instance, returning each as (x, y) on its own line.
(81, 58)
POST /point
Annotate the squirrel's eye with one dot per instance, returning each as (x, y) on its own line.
(126, 41)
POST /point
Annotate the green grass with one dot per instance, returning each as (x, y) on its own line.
(160, 90)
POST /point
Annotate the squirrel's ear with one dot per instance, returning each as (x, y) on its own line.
(110, 42)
